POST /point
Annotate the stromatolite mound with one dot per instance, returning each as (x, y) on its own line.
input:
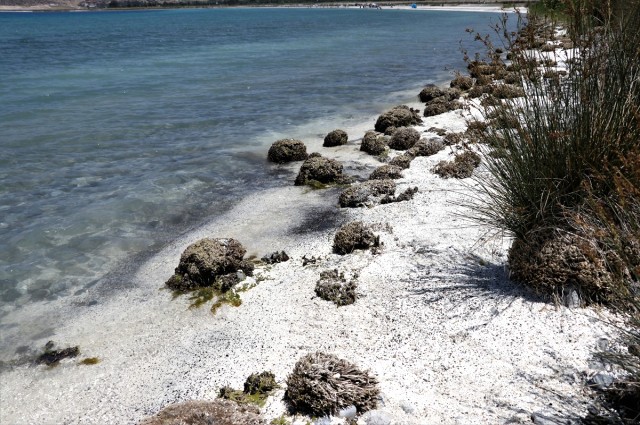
(363, 194)
(287, 150)
(319, 169)
(352, 236)
(385, 172)
(399, 116)
(373, 143)
(207, 262)
(426, 147)
(404, 138)
(335, 138)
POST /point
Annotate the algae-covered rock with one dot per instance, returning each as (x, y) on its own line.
(208, 260)
(352, 236)
(404, 138)
(320, 169)
(399, 116)
(323, 384)
(260, 383)
(335, 138)
(362, 194)
(275, 257)
(287, 150)
(385, 172)
(216, 412)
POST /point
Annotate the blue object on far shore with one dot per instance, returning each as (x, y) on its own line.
(414, 6)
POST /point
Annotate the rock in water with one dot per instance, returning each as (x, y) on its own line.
(320, 169)
(399, 116)
(335, 138)
(287, 150)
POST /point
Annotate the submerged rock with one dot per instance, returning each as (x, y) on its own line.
(364, 193)
(336, 138)
(52, 357)
(399, 116)
(352, 236)
(216, 412)
(287, 150)
(320, 169)
(207, 261)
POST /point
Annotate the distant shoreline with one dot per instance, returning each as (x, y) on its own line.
(449, 7)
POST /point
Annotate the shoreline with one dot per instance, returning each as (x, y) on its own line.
(450, 338)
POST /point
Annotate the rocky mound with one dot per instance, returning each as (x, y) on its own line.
(287, 150)
(210, 262)
(399, 116)
(319, 169)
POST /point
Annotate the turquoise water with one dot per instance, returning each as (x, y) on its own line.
(121, 130)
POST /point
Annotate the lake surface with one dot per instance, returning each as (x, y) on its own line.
(120, 131)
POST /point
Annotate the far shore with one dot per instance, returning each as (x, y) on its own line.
(485, 7)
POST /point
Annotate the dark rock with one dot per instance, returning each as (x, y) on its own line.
(336, 138)
(483, 80)
(373, 144)
(461, 167)
(276, 257)
(323, 384)
(390, 130)
(203, 262)
(462, 83)
(216, 412)
(399, 116)
(333, 287)
(403, 161)
(404, 138)
(51, 356)
(386, 172)
(309, 260)
(320, 169)
(432, 92)
(352, 236)
(437, 107)
(287, 150)
(426, 147)
(361, 194)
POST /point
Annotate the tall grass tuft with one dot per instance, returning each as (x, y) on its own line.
(564, 174)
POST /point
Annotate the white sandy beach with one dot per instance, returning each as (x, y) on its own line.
(450, 338)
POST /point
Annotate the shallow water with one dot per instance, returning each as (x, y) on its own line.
(120, 131)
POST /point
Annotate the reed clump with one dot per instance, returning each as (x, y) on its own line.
(566, 182)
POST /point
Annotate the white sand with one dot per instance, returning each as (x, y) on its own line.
(450, 338)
